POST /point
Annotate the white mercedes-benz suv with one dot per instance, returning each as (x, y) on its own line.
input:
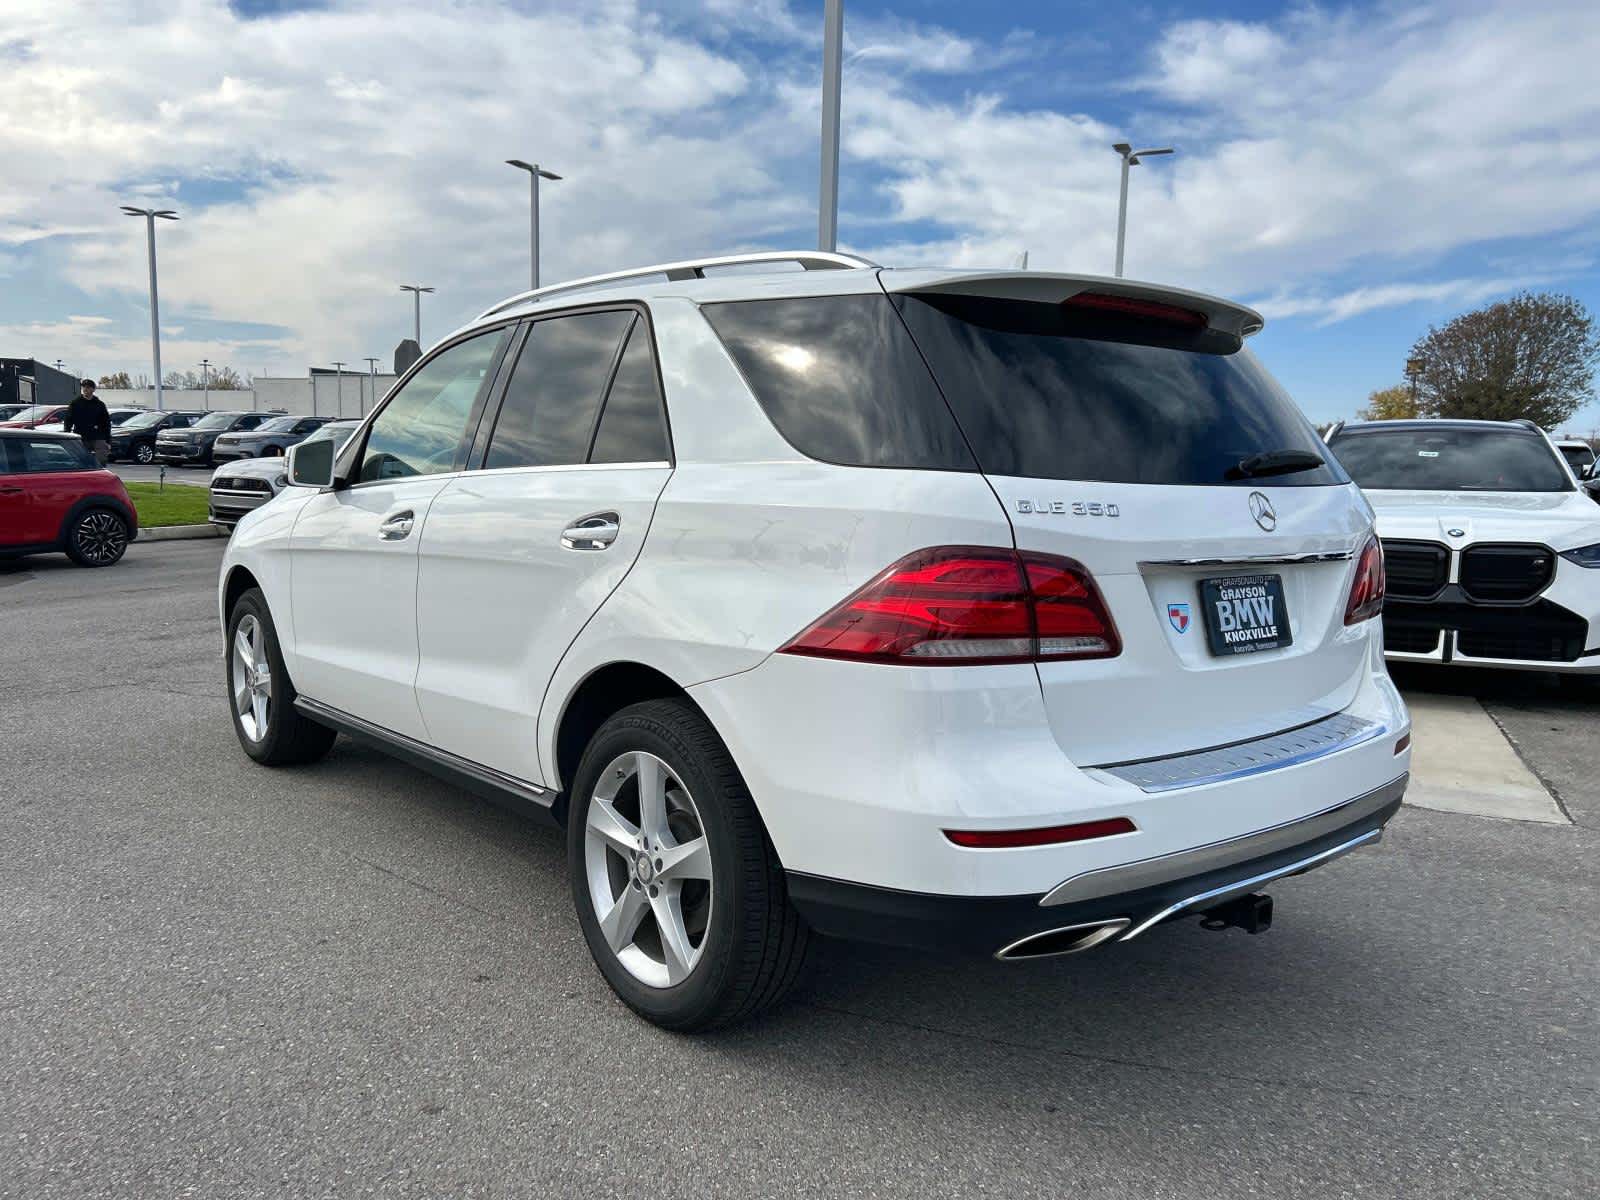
(1006, 612)
(1493, 548)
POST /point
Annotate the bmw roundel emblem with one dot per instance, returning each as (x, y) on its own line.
(1456, 532)
(1261, 509)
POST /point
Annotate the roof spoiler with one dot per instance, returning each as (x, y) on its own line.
(1044, 288)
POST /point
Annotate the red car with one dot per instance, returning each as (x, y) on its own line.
(39, 414)
(54, 498)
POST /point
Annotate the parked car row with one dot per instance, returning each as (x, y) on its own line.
(241, 486)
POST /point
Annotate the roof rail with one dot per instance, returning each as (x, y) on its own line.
(690, 268)
(1527, 423)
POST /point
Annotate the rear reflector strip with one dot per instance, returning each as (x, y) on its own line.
(1400, 746)
(1010, 839)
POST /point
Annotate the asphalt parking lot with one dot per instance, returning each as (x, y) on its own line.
(351, 979)
(137, 473)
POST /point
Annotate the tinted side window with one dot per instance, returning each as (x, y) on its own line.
(420, 429)
(249, 421)
(50, 455)
(842, 381)
(554, 394)
(631, 425)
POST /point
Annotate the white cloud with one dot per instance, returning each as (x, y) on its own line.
(1329, 161)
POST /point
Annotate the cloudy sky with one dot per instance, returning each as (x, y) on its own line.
(1357, 171)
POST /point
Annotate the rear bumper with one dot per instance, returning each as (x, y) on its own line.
(1143, 893)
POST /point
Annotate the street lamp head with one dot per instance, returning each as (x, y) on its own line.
(1148, 153)
(531, 168)
(166, 214)
(412, 287)
(1123, 148)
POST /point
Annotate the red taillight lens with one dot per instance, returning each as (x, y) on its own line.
(1009, 839)
(964, 605)
(1366, 593)
(1129, 306)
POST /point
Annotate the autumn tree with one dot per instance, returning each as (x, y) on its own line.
(1390, 404)
(1530, 356)
(117, 379)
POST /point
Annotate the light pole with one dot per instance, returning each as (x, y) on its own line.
(150, 215)
(832, 73)
(205, 384)
(372, 374)
(1130, 158)
(338, 385)
(416, 291)
(535, 173)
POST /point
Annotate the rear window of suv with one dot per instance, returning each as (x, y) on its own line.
(1013, 388)
(1047, 393)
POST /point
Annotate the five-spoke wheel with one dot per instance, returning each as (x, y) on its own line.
(252, 678)
(649, 869)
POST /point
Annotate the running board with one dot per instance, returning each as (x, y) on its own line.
(518, 795)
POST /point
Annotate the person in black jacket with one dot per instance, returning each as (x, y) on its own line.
(88, 418)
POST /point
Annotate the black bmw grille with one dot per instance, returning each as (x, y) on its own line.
(1506, 574)
(1416, 570)
(1409, 639)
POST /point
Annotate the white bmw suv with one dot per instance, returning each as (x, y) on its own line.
(1493, 548)
(1009, 613)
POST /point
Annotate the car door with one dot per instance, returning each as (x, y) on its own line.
(46, 476)
(519, 554)
(353, 550)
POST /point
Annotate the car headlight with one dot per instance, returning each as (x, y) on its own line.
(1584, 556)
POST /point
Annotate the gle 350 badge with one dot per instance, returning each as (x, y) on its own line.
(1076, 508)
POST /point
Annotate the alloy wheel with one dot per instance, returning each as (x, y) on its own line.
(102, 537)
(648, 867)
(252, 678)
(145, 454)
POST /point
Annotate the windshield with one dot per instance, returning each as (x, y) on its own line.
(1451, 460)
(123, 416)
(35, 413)
(1578, 457)
(143, 421)
(216, 421)
(276, 425)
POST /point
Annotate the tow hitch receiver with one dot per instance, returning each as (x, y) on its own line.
(1252, 913)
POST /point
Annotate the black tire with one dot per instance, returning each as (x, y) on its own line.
(754, 945)
(290, 737)
(97, 537)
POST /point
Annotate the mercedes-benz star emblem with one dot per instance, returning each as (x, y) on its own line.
(1261, 509)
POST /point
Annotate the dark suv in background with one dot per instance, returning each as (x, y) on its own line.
(194, 444)
(135, 438)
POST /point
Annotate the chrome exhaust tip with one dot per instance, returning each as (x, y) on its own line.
(1069, 939)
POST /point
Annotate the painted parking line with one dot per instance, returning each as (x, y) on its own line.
(1461, 762)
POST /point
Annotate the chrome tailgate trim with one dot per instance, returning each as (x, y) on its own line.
(1271, 753)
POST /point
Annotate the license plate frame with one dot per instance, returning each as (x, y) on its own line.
(1245, 614)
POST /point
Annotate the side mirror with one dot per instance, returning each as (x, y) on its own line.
(311, 464)
(1592, 486)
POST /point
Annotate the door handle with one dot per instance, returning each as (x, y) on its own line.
(594, 532)
(397, 527)
(10, 491)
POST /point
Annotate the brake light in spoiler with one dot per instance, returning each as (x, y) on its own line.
(1132, 306)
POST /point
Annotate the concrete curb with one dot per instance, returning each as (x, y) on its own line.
(178, 533)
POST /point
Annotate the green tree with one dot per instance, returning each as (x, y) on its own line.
(1390, 404)
(1530, 356)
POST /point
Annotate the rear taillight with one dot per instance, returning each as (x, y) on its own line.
(962, 605)
(1366, 593)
